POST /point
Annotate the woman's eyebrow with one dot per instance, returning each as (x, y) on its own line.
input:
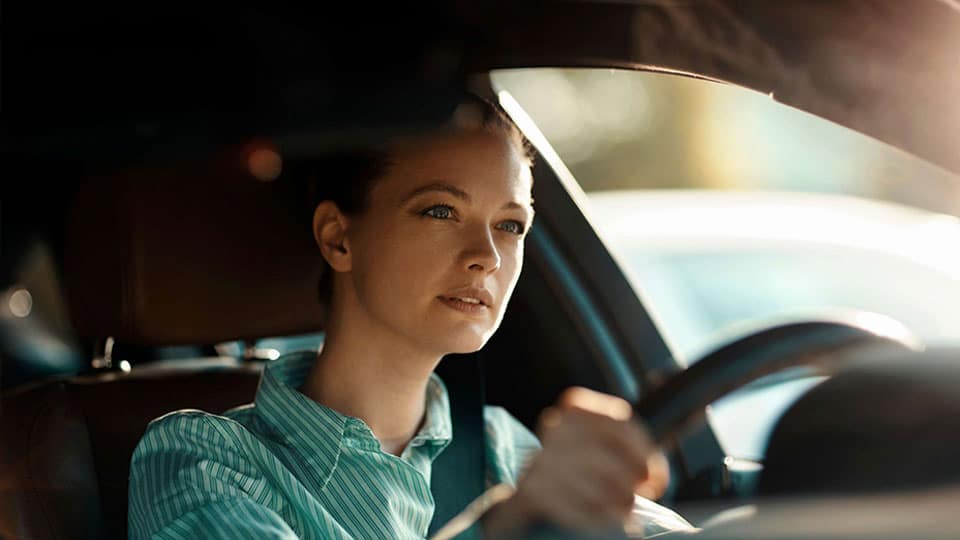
(517, 206)
(525, 206)
(438, 186)
(526, 209)
(444, 187)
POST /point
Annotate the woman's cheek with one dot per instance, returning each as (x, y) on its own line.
(511, 254)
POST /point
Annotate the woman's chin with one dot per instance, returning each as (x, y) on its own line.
(465, 342)
(466, 346)
(461, 337)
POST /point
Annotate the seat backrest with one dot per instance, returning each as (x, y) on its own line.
(65, 445)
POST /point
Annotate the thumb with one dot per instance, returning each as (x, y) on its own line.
(658, 477)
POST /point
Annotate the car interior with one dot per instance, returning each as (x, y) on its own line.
(162, 236)
(124, 272)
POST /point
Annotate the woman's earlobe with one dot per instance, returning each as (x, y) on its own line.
(329, 232)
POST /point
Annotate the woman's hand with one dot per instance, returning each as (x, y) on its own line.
(594, 459)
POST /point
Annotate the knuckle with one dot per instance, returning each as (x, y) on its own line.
(571, 397)
(549, 418)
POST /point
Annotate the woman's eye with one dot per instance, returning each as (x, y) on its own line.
(440, 211)
(514, 227)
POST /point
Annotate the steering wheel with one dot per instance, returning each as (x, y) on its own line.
(814, 344)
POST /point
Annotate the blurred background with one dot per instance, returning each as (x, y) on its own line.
(619, 129)
(724, 197)
(731, 212)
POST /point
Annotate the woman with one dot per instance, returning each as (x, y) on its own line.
(424, 243)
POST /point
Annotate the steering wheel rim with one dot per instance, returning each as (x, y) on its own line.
(812, 343)
(679, 400)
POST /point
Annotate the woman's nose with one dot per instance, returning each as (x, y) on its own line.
(482, 255)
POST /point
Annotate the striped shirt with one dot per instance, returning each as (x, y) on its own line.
(288, 467)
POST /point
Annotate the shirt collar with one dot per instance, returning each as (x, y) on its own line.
(437, 429)
(322, 431)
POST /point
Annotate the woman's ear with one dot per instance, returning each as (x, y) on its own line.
(330, 233)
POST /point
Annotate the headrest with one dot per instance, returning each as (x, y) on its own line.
(887, 424)
(191, 252)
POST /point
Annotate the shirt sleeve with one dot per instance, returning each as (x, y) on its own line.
(188, 479)
(510, 446)
(649, 519)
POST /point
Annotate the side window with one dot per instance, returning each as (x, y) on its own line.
(729, 212)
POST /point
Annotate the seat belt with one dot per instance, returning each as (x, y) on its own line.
(458, 475)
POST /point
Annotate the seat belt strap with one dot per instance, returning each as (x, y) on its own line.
(458, 475)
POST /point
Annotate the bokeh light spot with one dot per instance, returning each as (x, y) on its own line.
(265, 164)
(20, 303)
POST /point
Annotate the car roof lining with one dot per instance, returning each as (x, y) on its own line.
(884, 68)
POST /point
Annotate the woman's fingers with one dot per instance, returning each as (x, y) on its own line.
(626, 440)
(658, 477)
(594, 458)
(573, 502)
(578, 397)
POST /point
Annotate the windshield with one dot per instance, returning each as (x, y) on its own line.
(728, 210)
(711, 262)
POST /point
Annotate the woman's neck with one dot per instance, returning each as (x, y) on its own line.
(365, 374)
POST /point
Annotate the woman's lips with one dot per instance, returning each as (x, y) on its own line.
(465, 307)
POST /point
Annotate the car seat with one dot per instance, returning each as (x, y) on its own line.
(186, 254)
(65, 457)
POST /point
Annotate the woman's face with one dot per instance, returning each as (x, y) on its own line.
(437, 253)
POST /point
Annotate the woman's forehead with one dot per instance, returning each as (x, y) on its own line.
(482, 164)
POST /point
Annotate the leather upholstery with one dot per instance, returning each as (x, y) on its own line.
(191, 253)
(65, 457)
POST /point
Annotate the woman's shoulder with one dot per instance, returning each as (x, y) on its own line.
(195, 431)
(191, 420)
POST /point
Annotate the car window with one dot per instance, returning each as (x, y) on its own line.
(728, 210)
